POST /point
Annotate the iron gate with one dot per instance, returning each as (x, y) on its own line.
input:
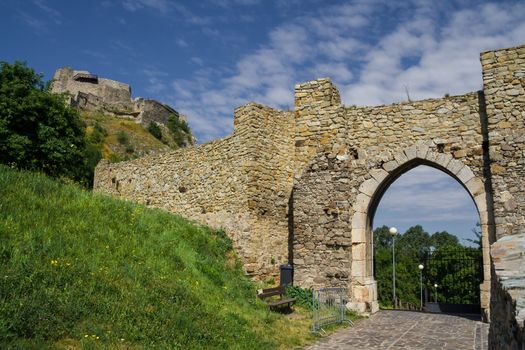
(328, 306)
(452, 278)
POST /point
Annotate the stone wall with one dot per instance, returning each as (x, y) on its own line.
(503, 85)
(303, 186)
(109, 92)
(336, 198)
(110, 96)
(239, 183)
(507, 327)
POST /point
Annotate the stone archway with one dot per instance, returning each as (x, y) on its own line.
(370, 192)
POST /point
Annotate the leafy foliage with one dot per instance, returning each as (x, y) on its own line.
(37, 130)
(123, 137)
(98, 134)
(155, 130)
(180, 130)
(411, 248)
(303, 296)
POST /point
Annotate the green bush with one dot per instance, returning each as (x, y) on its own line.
(155, 130)
(98, 134)
(180, 130)
(122, 137)
(37, 130)
(303, 296)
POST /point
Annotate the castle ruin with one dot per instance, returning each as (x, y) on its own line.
(302, 186)
(89, 92)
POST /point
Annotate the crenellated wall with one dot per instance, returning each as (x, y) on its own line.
(302, 186)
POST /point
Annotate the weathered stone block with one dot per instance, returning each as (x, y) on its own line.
(379, 174)
(359, 235)
(389, 166)
(475, 187)
(358, 268)
(465, 174)
(361, 203)
(369, 187)
(359, 251)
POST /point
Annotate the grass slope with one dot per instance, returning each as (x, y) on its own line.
(86, 271)
(140, 141)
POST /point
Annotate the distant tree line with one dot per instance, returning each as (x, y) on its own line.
(457, 281)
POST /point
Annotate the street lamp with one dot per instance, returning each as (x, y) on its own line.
(435, 292)
(421, 267)
(393, 233)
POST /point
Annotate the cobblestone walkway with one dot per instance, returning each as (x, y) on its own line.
(389, 330)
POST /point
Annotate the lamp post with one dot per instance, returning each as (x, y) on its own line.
(393, 233)
(421, 267)
(435, 292)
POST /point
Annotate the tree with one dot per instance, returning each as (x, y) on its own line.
(37, 130)
(382, 237)
(458, 280)
(442, 239)
(414, 242)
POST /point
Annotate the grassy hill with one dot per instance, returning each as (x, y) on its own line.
(121, 139)
(84, 271)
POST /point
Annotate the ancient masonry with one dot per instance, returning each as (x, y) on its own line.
(90, 92)
(302, 186)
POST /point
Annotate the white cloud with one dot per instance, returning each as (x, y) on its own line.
(52, 13)
(159, 5)
(372, 50)
(429, 197)
(181, 43)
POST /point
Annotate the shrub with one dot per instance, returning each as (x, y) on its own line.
(180, 130)
(154, 130)
(303, 296)
(98, 134)
(123, 137)
(130, 149)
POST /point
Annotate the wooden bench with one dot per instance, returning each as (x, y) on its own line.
(268, 296)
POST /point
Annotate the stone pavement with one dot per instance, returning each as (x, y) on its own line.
(408, 330)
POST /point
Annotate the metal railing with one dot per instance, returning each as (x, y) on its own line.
(328, 307)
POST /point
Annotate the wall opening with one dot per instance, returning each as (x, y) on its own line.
(438, 227)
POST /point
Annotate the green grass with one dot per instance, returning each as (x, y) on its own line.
(84, 271)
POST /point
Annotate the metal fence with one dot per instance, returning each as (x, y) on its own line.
(328, 307)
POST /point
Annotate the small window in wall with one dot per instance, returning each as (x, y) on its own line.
(86, 78)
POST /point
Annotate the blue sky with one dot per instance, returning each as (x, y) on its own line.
(431, 198)
(207, 57)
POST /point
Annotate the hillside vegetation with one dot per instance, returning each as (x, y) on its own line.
(84, 271)
(119, 139)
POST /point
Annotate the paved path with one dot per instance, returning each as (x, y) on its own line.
(389, 330)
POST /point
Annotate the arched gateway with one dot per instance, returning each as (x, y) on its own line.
(301, 186)
(342, 253)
